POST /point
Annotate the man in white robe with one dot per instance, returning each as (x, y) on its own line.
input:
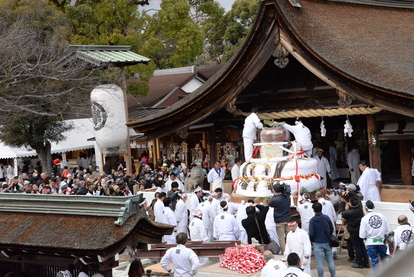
(181, 213)
(333, 157)
(297, 241)
(251, 123)
(369, 182)
(323, 166)
(235, 170)
(240, 215)
(302, 135)
(225, 225)
(215, 176)
(194, 201)
(173, 178)
(185, 260)
(168, 217)
(159, 207)
(306, 212)
(353, 160)
(207, 218)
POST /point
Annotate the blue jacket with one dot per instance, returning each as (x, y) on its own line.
(317, 232)
(281, 208)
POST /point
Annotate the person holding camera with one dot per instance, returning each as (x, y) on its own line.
(281, 212)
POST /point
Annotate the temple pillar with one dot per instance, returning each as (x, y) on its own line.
(405, 162)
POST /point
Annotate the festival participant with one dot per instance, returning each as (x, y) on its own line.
(305, 211)
(333, 157)
(320, 229)
(195, 199)
(251, 123)
(323, 166)
(369, 182)
(197, 229)
(297, 241)
(185, 261)
(403, 235)
(373, 228)
(272, 266)
(159, 207)
(168, 217)
(235, 170)
(171, 179)
(353, 159)
(302, 135)
(208, 216)
(215, 176)
(225, 225)
(240, 215)
(181, 213)
(294, 268)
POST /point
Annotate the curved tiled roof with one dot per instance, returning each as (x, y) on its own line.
(370, 44)
(363, 50)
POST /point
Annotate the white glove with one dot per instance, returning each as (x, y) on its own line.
(330, 175)
(305, 260)
(191, 272)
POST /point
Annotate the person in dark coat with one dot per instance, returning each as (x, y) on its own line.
(256, 219)
(353, 218)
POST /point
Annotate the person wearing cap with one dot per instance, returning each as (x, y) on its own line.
(181, 213)
(251, 123)
(403, 235)
(185, 261)
(215, 176)
(369, 182)
(353, 159)
(320, 229)
(195, 199)
(272, 266)
(305, 211)
(297, 241)
(302, 135)
(323, 166)
(225, 225)
(168, 217)
(294, 267)
(352, 219)
(208, 216)
(373, 228)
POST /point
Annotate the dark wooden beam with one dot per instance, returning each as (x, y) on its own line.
(374, 151)
(405, 162)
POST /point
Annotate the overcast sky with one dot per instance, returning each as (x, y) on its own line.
(155, 4)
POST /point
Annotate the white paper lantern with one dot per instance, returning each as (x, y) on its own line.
(109, 118)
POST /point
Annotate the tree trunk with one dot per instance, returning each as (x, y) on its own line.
(45, 156)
